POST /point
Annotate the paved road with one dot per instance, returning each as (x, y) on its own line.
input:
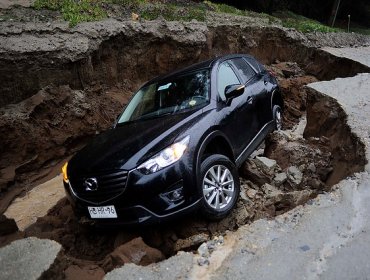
(360, 54)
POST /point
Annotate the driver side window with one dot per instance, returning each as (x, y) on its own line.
(225, 77)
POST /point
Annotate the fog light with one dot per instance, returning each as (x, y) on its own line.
(175, 194)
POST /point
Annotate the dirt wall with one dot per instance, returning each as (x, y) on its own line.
(128, 53)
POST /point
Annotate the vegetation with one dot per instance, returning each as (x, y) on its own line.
(303, 24)
(172, 12)
(76, 11)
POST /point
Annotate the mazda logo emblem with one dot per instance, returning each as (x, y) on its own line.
(91, 184)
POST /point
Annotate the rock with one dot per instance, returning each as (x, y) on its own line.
(134, 16)
(312, 167)
(301, 197)
(27, 258)
(244, 197)
(251, 193)
(134, 251)
(91, 272)
(7, 226)
(242, 217)
(203, 250)
(294, 175)
(270, 191)
(192, 241)
(203, 261)
(252, 173)
(280, 179)
(267, 165)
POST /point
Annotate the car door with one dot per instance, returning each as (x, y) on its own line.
(238, 114)
(264, 89)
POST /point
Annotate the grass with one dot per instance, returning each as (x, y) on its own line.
(223, 8)
(74, 11)
(171, 12)
(303, 24)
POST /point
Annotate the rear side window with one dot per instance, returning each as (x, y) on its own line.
(225, 77)
(244, 69)
(258, 66)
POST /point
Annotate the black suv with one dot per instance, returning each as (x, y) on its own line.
(178, 145)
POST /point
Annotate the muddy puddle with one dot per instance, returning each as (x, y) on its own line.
(291, 167)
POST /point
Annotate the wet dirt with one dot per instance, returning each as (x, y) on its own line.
(103, 63)
(287, 171)
(50, 126)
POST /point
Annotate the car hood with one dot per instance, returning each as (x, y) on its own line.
(129, 144)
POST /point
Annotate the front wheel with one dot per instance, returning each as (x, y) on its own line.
(220, 186)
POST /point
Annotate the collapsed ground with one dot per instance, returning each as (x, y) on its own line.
(61, 86)
(288, 170)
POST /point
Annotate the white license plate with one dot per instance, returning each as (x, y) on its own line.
(100, 212)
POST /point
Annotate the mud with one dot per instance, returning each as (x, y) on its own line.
(50, 126)
(103, 63)
(288, 170)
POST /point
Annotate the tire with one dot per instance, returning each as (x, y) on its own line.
(218, 200)
(278, 117)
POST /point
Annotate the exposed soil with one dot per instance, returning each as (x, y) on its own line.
(304, 167)
(45, 122)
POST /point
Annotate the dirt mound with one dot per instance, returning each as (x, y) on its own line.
(292, 79)
(49, 127)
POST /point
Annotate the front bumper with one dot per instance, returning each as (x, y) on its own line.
(146, 199)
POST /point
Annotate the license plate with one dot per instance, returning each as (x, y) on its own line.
(102, 212)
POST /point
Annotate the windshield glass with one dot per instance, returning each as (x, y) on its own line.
(169, 96)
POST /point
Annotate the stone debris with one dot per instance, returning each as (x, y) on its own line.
(195, 240)
(294, 176)
(280, 179)
(207, 248)
(265, 164)
(134, 251)
(27, 258)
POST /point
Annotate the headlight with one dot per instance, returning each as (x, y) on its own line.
(64, 171)
(165, 158)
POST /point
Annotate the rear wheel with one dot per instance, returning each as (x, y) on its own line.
(278, 117)
(220, 186)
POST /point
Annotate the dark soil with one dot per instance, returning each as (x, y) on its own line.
(92, 252)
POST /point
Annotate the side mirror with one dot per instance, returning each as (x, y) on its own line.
(233, 91)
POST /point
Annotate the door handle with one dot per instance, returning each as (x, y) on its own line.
(265, 82)
(250, 100)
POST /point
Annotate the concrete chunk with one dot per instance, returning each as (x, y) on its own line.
(280, 179)
(27, 258)
(265, 164)
(294, 175)
(166, 270)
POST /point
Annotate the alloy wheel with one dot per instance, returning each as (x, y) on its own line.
(218, 186)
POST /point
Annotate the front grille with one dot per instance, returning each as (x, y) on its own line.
(110, 185)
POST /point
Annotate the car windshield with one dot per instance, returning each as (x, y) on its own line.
(169, 96)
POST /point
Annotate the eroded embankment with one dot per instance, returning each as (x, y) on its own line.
(103, 63)
(303, 169)
(128, 53)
